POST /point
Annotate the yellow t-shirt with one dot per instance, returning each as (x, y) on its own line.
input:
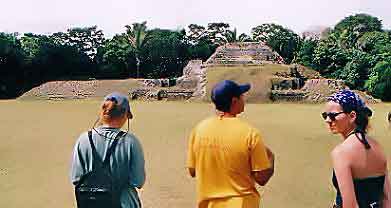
(223, 152)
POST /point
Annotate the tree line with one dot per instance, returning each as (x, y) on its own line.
(357, 50)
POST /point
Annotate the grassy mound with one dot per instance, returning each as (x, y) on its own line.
(258, 76)
(79, 89)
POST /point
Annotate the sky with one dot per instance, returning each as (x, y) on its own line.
(49, 16)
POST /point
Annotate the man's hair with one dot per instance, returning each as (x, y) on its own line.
(223, 105)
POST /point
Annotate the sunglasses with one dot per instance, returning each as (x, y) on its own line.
(331, 115)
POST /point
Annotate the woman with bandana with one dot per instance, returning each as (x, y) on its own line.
(359, 165)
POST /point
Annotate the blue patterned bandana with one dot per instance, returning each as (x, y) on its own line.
(350, 101)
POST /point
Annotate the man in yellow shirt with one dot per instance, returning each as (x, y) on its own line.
(227, 155)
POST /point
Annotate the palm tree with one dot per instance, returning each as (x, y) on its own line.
(231, 36)
(245, 38)
(137, 35)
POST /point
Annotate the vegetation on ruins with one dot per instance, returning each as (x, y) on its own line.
(284, 41)
(357, 50)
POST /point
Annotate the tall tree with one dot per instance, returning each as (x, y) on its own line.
(245, 38)
(351, 28)
(196, 34)
(328, 56)
(373, 42)
(284, 41)
(199, 44)
(86, 39)
(165, 53)
(356, 71)
(217, 32)
(11, 66)
(138, 36)
(305, 54)
(379, 83)
(231, 36)
(31, 44)
(116, 58)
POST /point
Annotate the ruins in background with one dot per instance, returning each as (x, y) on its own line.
(293, 84)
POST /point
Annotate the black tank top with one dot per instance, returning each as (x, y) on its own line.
(369, 191)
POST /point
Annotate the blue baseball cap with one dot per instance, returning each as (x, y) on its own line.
(224, 91)
(121, 101)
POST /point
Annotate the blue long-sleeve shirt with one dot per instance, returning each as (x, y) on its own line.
(127, 161)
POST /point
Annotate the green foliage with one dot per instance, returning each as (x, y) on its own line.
(169, 59)
(11, 53)
(357, 50)
(305, 55)
(353, 50)
(202, 41)
(31, 44)
(216, 33)
(116, 58)
(202, 50)
(231, 36)
(86, 39)
(137, 36)
(329, 56)
(197, 34)
(284, 41)
(351, 28)
(373, 42)
(245, 38)
(356, 71)
(11, 65)
(359, 22)
(379, 83)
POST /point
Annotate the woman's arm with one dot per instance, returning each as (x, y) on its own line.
(342, 168)
(387, 193)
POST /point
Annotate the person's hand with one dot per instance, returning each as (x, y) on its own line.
(270, 156)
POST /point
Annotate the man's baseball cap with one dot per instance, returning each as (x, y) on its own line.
(224, 91)
(121, 101)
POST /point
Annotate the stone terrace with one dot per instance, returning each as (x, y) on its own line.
(244, 53)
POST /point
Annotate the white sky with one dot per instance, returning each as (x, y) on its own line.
(48, 16)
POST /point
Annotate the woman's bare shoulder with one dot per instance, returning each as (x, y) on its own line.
(342, 150)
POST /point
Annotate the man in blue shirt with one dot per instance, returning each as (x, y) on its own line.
(127, 161)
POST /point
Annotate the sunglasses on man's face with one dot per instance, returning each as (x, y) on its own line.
(331, 115)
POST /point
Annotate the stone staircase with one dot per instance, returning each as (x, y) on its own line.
(243, 53)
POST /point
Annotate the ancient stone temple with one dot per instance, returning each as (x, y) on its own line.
(244, 53)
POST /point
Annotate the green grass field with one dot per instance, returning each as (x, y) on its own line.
(38, 137)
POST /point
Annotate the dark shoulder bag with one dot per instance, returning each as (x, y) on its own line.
(97, 188)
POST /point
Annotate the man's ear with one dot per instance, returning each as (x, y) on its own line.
(234, 100)
(234, 103)
(130, 115)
